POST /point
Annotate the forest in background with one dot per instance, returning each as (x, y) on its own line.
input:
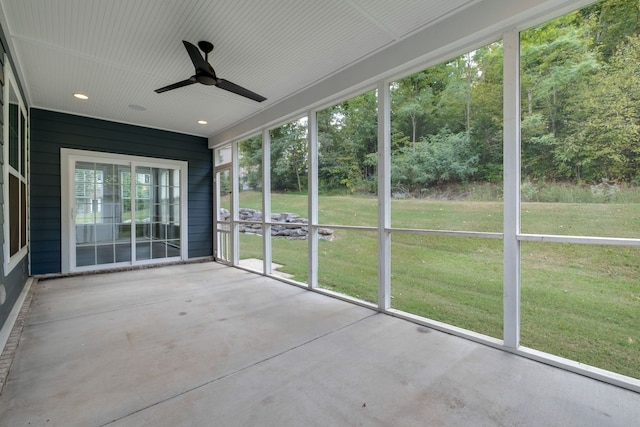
(580, 94)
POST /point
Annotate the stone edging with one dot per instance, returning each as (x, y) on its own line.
(10, 348)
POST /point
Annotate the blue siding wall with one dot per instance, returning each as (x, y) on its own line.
(51, 131)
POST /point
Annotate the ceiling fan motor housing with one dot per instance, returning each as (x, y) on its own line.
(206, 79)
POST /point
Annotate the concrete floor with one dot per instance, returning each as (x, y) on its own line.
(209, 345)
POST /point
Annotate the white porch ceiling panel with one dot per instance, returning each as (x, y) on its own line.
(119, 51)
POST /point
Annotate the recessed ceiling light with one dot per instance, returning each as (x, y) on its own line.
(202, 122)
(80, 96)
(137, 107)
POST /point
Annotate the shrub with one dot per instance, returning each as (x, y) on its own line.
(436, 160)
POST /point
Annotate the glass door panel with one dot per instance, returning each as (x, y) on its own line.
(157, 195)
(102, 233)
(224, 215)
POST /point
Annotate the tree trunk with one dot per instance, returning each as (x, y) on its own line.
(414, 124)
(468, 97)
(298, 178)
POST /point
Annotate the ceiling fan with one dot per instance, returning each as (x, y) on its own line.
(206, 75)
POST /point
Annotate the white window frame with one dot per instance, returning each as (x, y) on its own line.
(11, 261)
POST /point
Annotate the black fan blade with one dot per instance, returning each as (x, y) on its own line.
(191, 80)
(232, 87)
(196, 58)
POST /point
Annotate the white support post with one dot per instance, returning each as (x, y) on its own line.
(312, 237)
(216, 239)
(511, 279)
(266, 200)
(384, 196)
(235, 204)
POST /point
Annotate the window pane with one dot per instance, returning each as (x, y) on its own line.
(105, 254)
(23, 214)
(250, 203)
(143, 210)
(251, 250)
(223, 187)
(85, 255)
(125, 179)
(250, 178)
(158, 250)
(289, 199)
(581, 302)
(173, 248)
(23, 145)
(14, 214)
(446, 144)
(580, 144)
(455, 280)
(14, 142)
(347, 162)
(123, 250)
(349, 264)
(223, 204)
(143, 250)
(159, 231)
(222, 155)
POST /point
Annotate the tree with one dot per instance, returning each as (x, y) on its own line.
(251, 162)
(436, 160)
(289, 159)
(486, 112)
(612, 22)
(557, 61)
(413, 101)
(347, 137)
(607, 118)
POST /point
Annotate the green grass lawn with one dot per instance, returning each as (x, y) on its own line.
(577, 301)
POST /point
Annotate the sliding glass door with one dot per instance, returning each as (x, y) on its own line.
(122, 210)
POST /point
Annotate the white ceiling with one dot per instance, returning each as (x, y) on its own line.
(118, 51)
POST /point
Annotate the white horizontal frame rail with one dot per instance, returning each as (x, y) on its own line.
(583, 240)
(480, 234)
(349, 227)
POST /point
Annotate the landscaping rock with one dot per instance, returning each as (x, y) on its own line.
(290, 225)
